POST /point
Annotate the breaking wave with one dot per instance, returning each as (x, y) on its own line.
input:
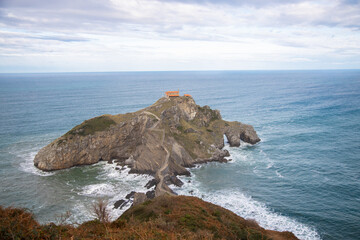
(248, 208)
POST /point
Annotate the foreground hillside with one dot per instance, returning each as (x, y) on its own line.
(165, 217)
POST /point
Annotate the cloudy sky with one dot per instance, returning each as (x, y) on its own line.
(153, 35)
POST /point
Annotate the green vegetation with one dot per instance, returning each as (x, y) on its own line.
(180, 128)
(196, 143)
(91, 126)
(211, 114)
(162, 107)
(191, 222)
(187, 142)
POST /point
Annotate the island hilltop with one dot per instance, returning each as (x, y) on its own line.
(162, 140)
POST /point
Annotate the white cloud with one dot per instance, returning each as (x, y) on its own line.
(171, 35)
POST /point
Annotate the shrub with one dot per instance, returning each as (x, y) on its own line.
(17, 224)
(100, 211)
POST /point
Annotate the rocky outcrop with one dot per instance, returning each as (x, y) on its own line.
(139, 198)
(120, 204)
(162, 140)
(237, 131)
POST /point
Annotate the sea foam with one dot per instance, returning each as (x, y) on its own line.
(114, 185)
(27, 165)
(241, 203)
(248, 208)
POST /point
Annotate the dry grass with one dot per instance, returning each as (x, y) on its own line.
(164, 217)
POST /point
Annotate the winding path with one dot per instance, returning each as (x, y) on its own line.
(160, 174)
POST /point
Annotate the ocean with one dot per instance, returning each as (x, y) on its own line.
(303, 177)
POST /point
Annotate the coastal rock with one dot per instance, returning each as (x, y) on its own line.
(130, 195)
(236, 131)
(151, 183)
(219, 155)
(120, 204)
(177, 182)
(161, 140)
(150, 194)
(130, 161)
(139, 198)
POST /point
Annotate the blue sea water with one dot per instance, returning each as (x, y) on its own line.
(304, 176)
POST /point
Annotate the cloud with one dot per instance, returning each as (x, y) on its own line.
(54, 4)
(62, 38)
(254, 3)
(238, 34)
(165, 15)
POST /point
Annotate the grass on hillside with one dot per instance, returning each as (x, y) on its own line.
(165, 217)
(92, 125)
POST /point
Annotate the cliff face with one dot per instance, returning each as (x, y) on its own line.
(161, 139)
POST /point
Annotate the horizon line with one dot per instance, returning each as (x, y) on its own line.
(224, 70)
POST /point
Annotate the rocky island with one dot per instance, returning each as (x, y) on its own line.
(161, 140)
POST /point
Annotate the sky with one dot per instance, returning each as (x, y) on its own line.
(173, 35)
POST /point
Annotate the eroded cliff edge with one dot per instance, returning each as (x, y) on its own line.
(162, 140)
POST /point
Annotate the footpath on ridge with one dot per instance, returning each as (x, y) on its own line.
(161, 187)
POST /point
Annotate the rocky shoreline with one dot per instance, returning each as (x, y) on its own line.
(161, 140)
